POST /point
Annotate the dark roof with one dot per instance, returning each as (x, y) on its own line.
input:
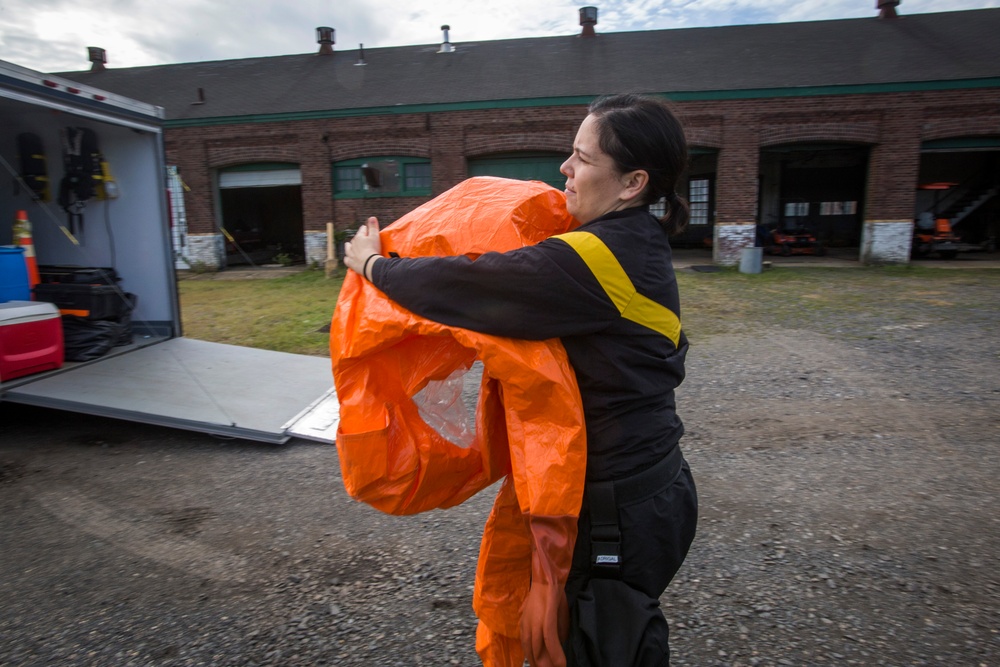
(946, 46)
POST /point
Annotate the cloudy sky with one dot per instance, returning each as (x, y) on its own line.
(52, 35)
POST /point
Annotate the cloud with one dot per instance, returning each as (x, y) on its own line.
(660, 14)
(52, 35)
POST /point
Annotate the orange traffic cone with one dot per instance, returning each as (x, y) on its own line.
(22, 237)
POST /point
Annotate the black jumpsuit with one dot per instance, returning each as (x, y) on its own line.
(626, 372)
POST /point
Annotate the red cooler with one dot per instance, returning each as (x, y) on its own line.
(31, 338)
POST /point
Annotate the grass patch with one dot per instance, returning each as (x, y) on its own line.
(283, 314)
(287, 313)
(864, 299)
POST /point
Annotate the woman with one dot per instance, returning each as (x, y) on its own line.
(609, 293)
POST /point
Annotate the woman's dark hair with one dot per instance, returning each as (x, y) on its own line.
(641, 132)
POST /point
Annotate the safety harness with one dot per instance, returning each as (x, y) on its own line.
(34, 170)
(83, 173)
(604, 498)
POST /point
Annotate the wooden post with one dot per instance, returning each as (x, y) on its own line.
(331, 258)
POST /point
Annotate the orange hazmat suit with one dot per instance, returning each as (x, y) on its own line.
(529, 425)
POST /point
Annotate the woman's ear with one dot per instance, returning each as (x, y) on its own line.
(634, 184)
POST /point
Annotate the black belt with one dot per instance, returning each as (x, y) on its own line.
(604, 498)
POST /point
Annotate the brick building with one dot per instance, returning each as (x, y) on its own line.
(842, 126)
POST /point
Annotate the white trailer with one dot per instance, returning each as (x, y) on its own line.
(161, 377)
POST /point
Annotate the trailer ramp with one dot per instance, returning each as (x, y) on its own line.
(225, 390)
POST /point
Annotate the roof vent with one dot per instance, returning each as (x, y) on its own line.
(98, 57)
(361, 55)
(887, 8)
(446, 46)
(588, 19)
(325, 39)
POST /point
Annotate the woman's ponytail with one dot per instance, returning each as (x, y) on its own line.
(678, 213)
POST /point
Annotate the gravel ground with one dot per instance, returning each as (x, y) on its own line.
(847, 472)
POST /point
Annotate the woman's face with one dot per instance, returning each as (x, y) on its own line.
(593, 185)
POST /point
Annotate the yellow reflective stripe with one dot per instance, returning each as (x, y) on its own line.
(619, 288)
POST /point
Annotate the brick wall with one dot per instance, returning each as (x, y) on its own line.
(892, 124)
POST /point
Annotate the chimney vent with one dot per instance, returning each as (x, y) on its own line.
(325, 39)
(98, 57)
(588, 19)
(361, 55)
(887, 8)
(446, 46)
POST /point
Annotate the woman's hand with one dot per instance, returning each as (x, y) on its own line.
(362, 251)
(544, 625)
(545, 612)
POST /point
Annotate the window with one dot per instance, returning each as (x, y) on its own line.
(418, 176)
(698, 199)
(347, 179)
(381, 177)
(699, 192)
(838, 208)
(795, 209)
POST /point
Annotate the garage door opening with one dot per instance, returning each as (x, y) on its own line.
(524, 166)
(261, 206)
(818, 188)
(960, 181)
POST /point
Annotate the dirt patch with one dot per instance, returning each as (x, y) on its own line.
(11, 471)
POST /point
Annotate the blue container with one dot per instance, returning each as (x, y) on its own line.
(14, 285)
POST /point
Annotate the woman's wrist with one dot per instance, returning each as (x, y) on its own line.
(364, 267)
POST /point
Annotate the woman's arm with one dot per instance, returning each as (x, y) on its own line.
(534, 293)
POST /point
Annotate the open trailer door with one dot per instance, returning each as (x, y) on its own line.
(224, 390)
(160, 378)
